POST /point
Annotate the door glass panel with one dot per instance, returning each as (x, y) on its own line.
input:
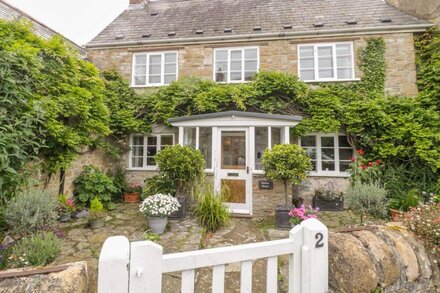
(234, 191)
(233, 150)
(205, 145)
(276, 136)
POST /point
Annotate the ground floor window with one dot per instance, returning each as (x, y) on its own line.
(200, 138)
(143, 148)
(330, 153)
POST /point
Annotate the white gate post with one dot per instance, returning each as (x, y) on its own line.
(314, 277)
(146, 267)
(113, 265)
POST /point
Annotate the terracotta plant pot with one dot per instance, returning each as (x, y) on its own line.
(396, 215)
(132, 197)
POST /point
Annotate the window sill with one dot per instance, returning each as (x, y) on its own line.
(142, 169)
(332, 80)
(147, 86)
(329, 174)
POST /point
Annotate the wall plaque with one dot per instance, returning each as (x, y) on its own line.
(265, 184)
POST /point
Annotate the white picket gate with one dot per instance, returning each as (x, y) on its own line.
(138, 267)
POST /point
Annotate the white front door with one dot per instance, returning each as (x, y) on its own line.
(232, 175)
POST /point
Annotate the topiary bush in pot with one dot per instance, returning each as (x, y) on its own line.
(182, 165)
(287, 163)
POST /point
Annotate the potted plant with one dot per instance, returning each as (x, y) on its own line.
(403, 203)
(327, 198)
(157, 208)
(96, 214)
(181, 165)
(286, 162)
(133, 193)
(297, 215)
(66, 208)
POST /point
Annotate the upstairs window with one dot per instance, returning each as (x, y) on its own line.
(326, 62)
(235, 64)
(154, 69)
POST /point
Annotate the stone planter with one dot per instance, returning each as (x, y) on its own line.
(328, 205)
(64, 217)
(282, 216)
(133, 197)
(157, 225)
(396, 215)
(181, 213)
(98, 223)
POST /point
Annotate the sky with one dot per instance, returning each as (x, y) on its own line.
(78, 20)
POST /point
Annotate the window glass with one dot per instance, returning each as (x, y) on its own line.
(144, 148)
(261, 144)
(205, 145)
(189, 136)
(235, 64)
(154, 68)
(166, 140)
(276, 136)
(308, 143)
(345, 154)
(137, 151)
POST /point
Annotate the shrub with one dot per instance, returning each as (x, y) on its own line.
(286, 162)
(31, 210)
(158, 184)
(120, 183)
(365, 171)
(211, 210)
(424, 221)
(159, 205)
(405, 202)
(96, 210)
(93, 183)
(36, 250)
(367, 199)
(181, 164)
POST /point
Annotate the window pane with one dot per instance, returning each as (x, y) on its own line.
(308, 141)
(140, 70)
(155, 69)
(169, 78)
(152, 140)
(311, 152)
(344, 166)
(327, 154)
(250, 65)
(170, 58)
(154, 79)
(251, 54)
(235, 76)
(325, 51)
(137, 151)
(205, 145)
(307, 63)
(325, 62)
(344, 61)
(137, 162)
(325, 73)
(235, 54)
(306, 51)
(343, 142)
(327, 141)
(344, 73)
(140, 60)
(221, 77)
(155, 59)
(140, 80)
(170, 68)
(307, 74)
(151, 151)
(221, 55)
(314, 166)
(151, 162)
(261, 139)
(328, 166)
(343, 49)
(221, 66)
(345, 154)
(166, 140)
(276, 136)
(189, 136)
(249, 75)
(235, 65)
(138, 140)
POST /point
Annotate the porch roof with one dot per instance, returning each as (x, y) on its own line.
(236, 118)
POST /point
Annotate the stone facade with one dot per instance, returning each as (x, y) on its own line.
(275, 55)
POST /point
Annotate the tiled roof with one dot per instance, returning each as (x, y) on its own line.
(9, 12)
(168, 20)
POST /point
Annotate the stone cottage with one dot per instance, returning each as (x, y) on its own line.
(153, 43)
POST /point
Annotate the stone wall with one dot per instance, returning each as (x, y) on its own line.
(275, 55)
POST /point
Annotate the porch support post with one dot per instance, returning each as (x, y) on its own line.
(181, 135)
(251, 148)
(286, 135)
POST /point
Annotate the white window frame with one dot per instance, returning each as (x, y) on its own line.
(158, 145)
(335, 67)
(319, 171)
(162, 73)
(197, 143)
(228, 79)
(284, 139)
